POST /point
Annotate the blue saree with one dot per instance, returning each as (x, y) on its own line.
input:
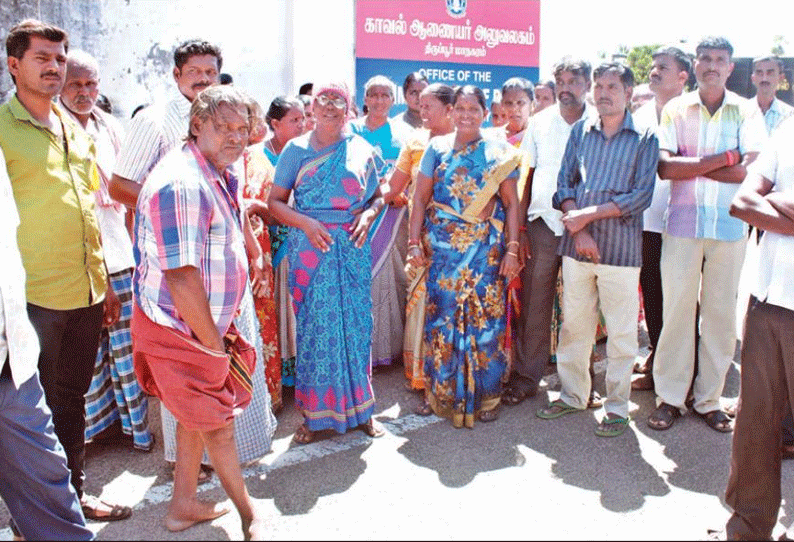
(331, 291)
(465, 357)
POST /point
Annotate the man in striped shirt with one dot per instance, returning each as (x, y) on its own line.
(161, 127)
(605, 183)
(707, 137)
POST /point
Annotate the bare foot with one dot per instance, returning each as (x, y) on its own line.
(256, 530)
(184, 516)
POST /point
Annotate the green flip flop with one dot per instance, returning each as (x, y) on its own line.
(564, 408)
(612, 427)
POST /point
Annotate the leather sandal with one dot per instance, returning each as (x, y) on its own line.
(663, 417)
(717, 420)
(92, 509)
(303, 435)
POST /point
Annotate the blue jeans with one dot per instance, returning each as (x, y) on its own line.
(34, 479)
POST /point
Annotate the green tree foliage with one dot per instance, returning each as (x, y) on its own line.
(640, 61)
(778, 45)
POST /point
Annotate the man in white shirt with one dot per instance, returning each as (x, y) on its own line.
(544, 141)
(114, 393)
(668, 77)
(765, 200)
(766, 77)
(161, 127)
(34, 478)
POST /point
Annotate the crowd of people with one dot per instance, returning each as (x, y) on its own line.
(216, 251)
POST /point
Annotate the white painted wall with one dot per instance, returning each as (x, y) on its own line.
(269, 47)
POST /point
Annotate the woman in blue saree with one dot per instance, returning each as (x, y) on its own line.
(467, 198)
(334, 178)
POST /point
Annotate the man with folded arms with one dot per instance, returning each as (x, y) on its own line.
(190, 276)
(765, 200)
(707, 137)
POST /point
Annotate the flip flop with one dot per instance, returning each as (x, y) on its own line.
(372, 430)
(303, 435)
(612, 427)
(563, 409)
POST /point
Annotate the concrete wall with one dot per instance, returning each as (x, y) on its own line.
(270, 47)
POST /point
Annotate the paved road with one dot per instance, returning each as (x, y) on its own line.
(520, 477)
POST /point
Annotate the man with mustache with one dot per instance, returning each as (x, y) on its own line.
(605, 183)
(707, 138)
(766, 77)
(544, 141)
(668, 77)
(159, 128)
(114, 394)
(51, 164)
(191, 275)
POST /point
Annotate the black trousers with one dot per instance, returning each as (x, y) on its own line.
(651, 284)
(69, 341)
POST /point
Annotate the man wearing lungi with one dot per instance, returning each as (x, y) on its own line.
(191, 271)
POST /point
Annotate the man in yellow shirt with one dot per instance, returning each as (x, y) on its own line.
(50, 162)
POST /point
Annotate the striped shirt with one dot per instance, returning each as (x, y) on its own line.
(188, 215)
(699, 207)
(596, 170)
(153, 132)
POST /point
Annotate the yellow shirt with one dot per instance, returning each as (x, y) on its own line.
(53, 186)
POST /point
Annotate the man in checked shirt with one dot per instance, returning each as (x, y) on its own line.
(605, 183)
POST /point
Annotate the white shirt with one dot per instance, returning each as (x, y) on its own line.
(778, 112)
(544, 141)
(776, 251)
(153, 132)
(116, 242)
(653, 217)
(18, 339)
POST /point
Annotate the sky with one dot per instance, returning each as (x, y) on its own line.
(585, 27)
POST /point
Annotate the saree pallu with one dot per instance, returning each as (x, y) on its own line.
(464, 346)
(258, 182)
(331, 292)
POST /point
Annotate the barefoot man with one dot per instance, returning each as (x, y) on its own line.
(190, 275)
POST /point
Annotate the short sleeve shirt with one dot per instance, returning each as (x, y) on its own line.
(187, 215)
(699, 207)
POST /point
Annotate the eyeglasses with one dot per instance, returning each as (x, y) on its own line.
(324, 100)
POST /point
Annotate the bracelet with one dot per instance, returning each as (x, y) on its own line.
(511, 254)
(731, 157)
(513, 243)
(417, 247)
(413, 242)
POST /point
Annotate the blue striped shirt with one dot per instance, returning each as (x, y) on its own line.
(596, 170)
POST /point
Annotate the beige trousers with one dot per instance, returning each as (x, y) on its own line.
(584, 284)
(683, 286)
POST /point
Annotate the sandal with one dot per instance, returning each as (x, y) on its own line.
(372, 430)
(717, 420)
(612, 427)
(663, 417)
(424, 409)
(486, 416)
(92, 509)
(303, 435)
(555, 409)
(595, 400)
(516, 393)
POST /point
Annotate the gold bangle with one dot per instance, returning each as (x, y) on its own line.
(511, 254)
(513, 243)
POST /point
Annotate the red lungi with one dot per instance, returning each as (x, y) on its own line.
(203, 389)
